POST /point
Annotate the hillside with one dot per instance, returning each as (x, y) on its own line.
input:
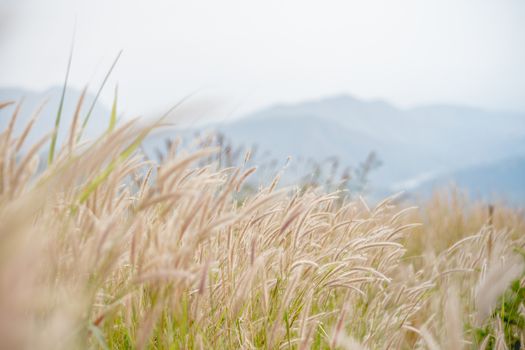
(412, 144)
(501, 180)
(96, 255)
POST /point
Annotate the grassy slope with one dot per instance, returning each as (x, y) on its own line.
(94, 253)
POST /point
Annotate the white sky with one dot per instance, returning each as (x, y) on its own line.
(250, 54)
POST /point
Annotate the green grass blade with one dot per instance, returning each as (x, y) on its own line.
(113, 116)
(99, 336)
(88, 115)
(60, 107)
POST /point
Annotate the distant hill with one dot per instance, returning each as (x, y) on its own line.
(500, 180)
(415, 146)
(31, 100)
(411, 143)
(418, 147)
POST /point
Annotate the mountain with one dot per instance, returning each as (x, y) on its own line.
(500, 180)
(31, 100)
(413, 144)
(419, 148)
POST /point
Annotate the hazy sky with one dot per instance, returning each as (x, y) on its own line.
(254, 53)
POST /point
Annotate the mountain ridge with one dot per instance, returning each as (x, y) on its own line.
(415, 145)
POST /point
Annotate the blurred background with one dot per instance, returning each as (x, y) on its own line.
(398, 96)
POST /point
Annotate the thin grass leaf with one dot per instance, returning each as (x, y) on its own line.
(90, 111)
(99, 336)
(60, 107)
(113, 116)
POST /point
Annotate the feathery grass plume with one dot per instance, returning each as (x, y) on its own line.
(29, 126)
(496, 280)
(4, 104)
(429, 339)
(74, 122)
(454, 324)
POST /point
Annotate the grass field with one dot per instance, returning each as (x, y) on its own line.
(104, 249)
